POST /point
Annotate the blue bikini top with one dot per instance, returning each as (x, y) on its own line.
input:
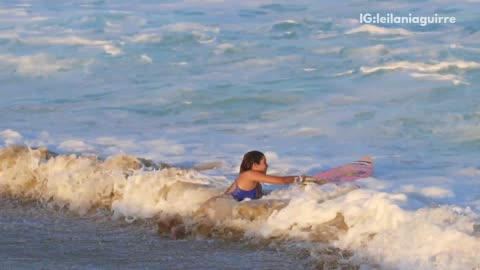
(240, 194)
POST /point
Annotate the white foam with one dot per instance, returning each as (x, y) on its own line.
(165, 147)
(377, 30)
(80, 183)
(16, 15)
(373, 184)
(107, 46)
(471, 171)
(43, 140)
(226, 46)
(9, 35)
(281, 221)
(264, 62)
(14, 12)
(271, 156)
(76, 146)
(146, 59)
(455, 79)
(19, 16)
(437, 192)
(423, 67)
(459, 46)
(11, 137)
(309, 131)
(112, 50)
(116, 143)
(430, 192)
(258, 62)
(66, 40)
(142, 194)
(37, 65)
(181, 63)
(121, 12)
(326, 35)
(347, 72)
(147, 38)
(112, 27)
(39, 18)
(424, 239)
(221, 48)
(290, 21)
(330, 50)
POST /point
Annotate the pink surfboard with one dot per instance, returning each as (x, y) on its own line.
(361, 168)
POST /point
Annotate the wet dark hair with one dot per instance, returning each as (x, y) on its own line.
(249, 158)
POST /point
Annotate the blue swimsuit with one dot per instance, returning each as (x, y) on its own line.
(240, 194)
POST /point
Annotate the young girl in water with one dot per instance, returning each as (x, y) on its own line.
(253, 172)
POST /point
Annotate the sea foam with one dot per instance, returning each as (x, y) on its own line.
(381, 228)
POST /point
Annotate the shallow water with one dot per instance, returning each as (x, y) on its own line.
(36, 237)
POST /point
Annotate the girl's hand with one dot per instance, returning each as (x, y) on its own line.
(303, 178)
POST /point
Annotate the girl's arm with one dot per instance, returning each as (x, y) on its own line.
(265, 178)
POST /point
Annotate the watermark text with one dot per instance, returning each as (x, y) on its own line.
(390, 18)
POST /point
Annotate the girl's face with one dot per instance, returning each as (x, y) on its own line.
(262, 166)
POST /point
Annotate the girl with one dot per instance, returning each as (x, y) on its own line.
(253, 172)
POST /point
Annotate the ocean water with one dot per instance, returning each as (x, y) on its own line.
(35, 237)
(195, 85)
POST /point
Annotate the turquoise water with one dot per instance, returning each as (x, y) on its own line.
(188, 82)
